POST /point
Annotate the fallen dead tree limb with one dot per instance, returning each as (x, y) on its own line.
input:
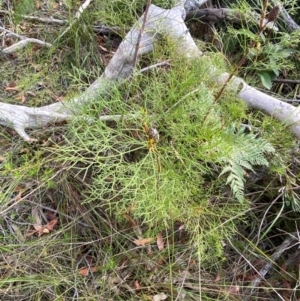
(21, 44)
(226, 15)
(160, 23)
(286, 244)
(49, 20)
(286, 113)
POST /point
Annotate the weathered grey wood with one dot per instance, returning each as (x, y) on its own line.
(160, 22)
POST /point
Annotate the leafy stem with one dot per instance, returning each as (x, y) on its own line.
(272, 16)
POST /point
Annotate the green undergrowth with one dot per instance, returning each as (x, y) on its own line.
(274, 53)
(106, 184)
(185, 175)
(37, 76)
(110, 184)
(125, 13)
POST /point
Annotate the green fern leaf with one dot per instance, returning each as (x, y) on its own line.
(242, 151)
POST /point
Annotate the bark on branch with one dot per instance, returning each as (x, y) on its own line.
(217, 15)
(160, 22)
(226, 15)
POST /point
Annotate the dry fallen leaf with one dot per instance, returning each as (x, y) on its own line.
(38, 227)
(30, 93)
(137, 285)
(21, 96)
(43, 229)
(18, 197)
(131, 220)
(181, 227)
(59, 98)
(134, 225)
(218, 278)
(37, 5)
(160, 297)
(51, 224)
(233, 289)
(85, 271)
(103, 48)
(12, 87)
(143, 241)
(160, 242)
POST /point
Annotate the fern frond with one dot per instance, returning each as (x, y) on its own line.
(242, 151)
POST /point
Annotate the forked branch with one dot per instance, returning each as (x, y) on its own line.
(160, 23)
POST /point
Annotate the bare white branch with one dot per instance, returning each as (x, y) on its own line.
(120, 67)
(286, 113)
(193, 4)
(160, 22)
(77, 16)
(23, 43)
(45, 20)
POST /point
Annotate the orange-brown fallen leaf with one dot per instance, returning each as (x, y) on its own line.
(37, 5)
(143, 241)
(40, 230)
(52, 224)
(160, 242)
(131, 220)
(218, 278)
(30, 93)
(59, 98)
(21, 96)
(103, 48)
(12, 87)
(18, 197)
(85, 271)
(137, 285)
(234, 289)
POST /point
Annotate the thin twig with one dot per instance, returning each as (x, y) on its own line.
(263, 13)
(23, 43)
(165, 63)
(45, 20)
(11, 33)
(77, 16)
(264, 270)
(262, 27)
(101, 28)
(285, 80)
(137, 46)
(60, 213)
(248, 294)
